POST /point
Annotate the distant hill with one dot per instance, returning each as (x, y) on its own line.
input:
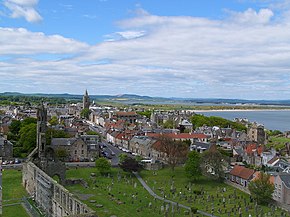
(133, 98)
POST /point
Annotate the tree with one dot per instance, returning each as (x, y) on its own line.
(52, 133)
(175, 151)
(130, 165)
(122, 157)
(15, 127)
(212, 162)
(61, 153)
(192, 165)
(85, 113)
(262, 189)
(103, 166)
(27, 137)
(53, 121)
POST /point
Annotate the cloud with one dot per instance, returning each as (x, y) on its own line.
(26, 42)
(23, 8)
(250, 16)
(178, 56)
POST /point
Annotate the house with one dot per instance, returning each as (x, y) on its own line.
(79, 148)
(6, 149)
(282, 188)
(200, 146)
(241, 175)
(192, 137)
(142, 145)
(129, 117)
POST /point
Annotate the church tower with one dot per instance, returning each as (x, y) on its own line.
(41, 130)
(86, 100)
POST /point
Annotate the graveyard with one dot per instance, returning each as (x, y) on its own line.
(121, 194)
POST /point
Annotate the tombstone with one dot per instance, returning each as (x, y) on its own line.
(162, 208)
(135, 185)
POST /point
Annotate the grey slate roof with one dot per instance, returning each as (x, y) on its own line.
(285, 177)
(62, 141)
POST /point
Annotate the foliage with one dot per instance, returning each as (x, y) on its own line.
(28, 121)
(103, 166)
(273, 132)
(122, 157)
(200, 120)
(169, 124)
(27, 138)
(212, 163)
(192, 165)
(85, 113)
(262, 189)
(146, 113)
(15, 126)
(52, 133)
(61, 153)
(175, 151)
(130, 165)
(53, 121)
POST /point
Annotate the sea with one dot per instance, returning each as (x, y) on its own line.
(271, 119)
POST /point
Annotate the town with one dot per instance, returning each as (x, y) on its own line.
(46, 140)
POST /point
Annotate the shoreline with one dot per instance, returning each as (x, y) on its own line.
(240, 110)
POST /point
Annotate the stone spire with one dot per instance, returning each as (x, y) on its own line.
(86, 100)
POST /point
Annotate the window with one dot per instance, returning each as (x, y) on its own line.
(82, 151)
(76, 151)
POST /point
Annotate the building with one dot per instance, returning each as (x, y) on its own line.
(282, 188)
(6, 149)
(86, 100)
(256, 133)
(241, 175)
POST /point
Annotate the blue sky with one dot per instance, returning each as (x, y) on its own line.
(169, 48)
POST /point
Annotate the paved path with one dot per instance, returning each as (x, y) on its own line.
(166, 200)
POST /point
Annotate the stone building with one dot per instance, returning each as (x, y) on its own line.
(86, 100)
(256, 133)
(6, 149)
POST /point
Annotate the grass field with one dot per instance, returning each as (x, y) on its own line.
(129, 199)
(212, 199)
(12, 193)
(277, 142)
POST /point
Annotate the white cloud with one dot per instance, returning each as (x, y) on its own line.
(26, 42)
(176, 56)
(23, 8)
(250, 16)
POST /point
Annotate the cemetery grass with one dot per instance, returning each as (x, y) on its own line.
(161, 181)
(98, 192)
(13, 191)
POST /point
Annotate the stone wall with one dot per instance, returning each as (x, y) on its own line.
(53, 199)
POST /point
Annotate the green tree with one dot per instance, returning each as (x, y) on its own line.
(169, 124)
(53, 121)
(61, 153)
(130, 165)
(15, 126)
(212, 162)
(27, 138)
(103, 166)
(28, 121)
(175, 151)
(122, 157)
(85, 113)
(192, 165)
(52, 133)
(262, 189)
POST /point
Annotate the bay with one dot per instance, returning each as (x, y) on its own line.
(271, 119)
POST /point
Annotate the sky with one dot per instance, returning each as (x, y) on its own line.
(169, 48)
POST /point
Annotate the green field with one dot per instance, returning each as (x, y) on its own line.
(277, 142)
(12, 193)
(122, 203)
(212, 198)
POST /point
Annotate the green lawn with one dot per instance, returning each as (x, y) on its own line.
(277, 142)
(122, 203)
(212, 197)
(12, 192)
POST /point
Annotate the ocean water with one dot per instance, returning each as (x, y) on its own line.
(271, 119)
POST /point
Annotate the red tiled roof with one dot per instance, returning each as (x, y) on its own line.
(242, 172)
(180, 135)
(251, 148)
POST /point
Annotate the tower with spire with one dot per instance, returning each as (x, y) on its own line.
(86, 100)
